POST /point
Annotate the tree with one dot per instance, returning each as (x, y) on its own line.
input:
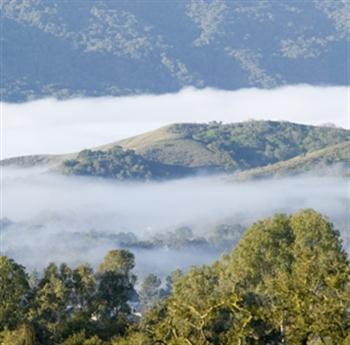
(14, 293)
(53, 294)
(118, 261)
(150, 291)
(84, 284)
(53, 305)
(298, 263)
(115, 289)
(136, 338)
(287, 282)
(23, 335)
(82, 339)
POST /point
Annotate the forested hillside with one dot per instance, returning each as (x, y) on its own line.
(286, 282)
(183, 149)
(331, 160)
(104, 48)
(187, 149)
(119, 164)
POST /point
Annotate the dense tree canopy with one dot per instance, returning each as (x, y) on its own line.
(14, 293)
(66, 305)
(119, 164)
(286, 282)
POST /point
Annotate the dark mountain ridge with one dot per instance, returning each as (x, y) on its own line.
(68, 49)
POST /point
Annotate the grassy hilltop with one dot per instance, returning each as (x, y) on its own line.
(183, 149)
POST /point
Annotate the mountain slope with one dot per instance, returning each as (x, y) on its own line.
(119, 164)
(101, 48)
(232, 146)
(334, 160)
(185, 149)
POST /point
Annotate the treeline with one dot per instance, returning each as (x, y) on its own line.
(252, 144)
(286, 282)
(119, 164)
(222, 237)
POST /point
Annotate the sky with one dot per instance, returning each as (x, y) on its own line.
(53, 126)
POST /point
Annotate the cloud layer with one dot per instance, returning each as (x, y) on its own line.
(49, 210)
(52, 126)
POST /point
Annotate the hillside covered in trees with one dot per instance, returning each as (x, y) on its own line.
(182, 150)
(228, 147)
(120, 164)
(330, 160)
(286, 282)
(111, 48)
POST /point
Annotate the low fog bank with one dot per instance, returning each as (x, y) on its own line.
(48, 217)
(37, 126)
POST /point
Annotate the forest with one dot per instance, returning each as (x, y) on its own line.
(119, 164)
(287, 281)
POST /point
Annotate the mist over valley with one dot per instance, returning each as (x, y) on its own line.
(174, 172)
(167, 225)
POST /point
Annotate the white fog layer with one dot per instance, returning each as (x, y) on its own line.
(51, 217)
(51, 126)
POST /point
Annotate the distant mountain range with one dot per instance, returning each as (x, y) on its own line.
(249, 149)
(98, 48)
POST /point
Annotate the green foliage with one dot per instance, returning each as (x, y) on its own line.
(299, 264)
(286, 282)
(23, 335)
(119, 261)
(14, 293)
(150, 291)
(66, 306)
(119, 164)
(136, 338)
(347, 340)
(115, 163)
(331, 160)
(81, 339)
(258, 143)
(184, 149)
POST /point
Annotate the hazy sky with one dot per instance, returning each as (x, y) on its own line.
(51, 126)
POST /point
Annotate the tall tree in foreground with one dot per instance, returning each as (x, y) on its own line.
(115, 288)
(14, 293)
(287, 282)
(298, 264)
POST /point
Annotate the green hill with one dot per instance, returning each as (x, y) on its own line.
(333, 160)
(120, 164)
(228, 147)
(183, 149)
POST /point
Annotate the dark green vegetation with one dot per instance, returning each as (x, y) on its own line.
(286, 282)
(183, 149)
(101, 48)
(120, 164)
(331, 160)
(50, 310)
